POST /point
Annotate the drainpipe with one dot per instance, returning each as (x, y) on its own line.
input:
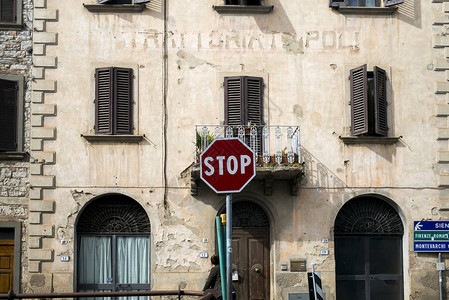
(164, 102)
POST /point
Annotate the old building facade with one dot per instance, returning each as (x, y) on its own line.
(102, 190)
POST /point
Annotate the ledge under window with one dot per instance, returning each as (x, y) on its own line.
(360, 10)
(13, 155)
(4, 26)
(112, 138)
(243, 9)
(351, 140)
(122, 8)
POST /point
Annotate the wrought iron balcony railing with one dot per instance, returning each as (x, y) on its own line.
(272, 144)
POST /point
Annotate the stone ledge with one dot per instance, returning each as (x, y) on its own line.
(351, 140)
(353, 10)
(13, 156)
(112, 138)
(11, 26)
(243, 9)
(114, 8)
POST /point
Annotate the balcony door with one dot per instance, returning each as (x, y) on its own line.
(113, 246)
(243, 99)
(368, 251)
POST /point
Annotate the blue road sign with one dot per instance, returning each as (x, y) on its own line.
(431, 236)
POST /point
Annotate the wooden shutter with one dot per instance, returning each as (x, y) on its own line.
(123, 100)
(392, 2)
(103, 100)
(8, 10)
(359, 100)
(338, 3)
(254, 100)
(380, 101)
(234, 109)
(8, 114)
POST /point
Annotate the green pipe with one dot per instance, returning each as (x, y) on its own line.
(222, 256)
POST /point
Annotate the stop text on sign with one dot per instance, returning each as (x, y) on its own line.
(232, 164)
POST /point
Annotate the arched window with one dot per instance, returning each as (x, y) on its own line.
(113, 246)
(368, 251)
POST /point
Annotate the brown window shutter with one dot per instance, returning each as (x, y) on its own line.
(254, 100)
(123, 100)
(393, 2)
(337, 3)
(103, 100)
(359, 100)
(8, 115)
(380, 101)
(8, 11)
(233, 98)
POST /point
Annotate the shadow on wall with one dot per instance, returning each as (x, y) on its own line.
(316, 174)
(276, 21)
(410, 12)
(156, 8)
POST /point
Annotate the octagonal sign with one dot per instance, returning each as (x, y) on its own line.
(227, 165)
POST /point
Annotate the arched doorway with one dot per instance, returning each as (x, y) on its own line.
(368, 250)
(251, 251)
(113, 246)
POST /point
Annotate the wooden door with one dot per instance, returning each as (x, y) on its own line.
(250, 256)
(6, 265)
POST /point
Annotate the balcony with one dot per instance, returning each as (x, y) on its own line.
(277, 150)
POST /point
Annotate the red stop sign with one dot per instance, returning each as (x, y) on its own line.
(227, 165)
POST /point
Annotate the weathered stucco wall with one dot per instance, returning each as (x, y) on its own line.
(304, 53)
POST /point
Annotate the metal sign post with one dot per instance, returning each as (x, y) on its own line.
(229, 246)
(227, 166)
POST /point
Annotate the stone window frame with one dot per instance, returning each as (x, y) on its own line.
(19, 153)
(17, 226)
(17, 25)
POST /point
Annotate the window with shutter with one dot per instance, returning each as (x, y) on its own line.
(113, 100)
(8, 115)
(244, 104)
(10, 14)
(243, 100)
(368, 102)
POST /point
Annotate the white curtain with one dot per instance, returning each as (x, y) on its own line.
(95, 260)
(133, 260)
